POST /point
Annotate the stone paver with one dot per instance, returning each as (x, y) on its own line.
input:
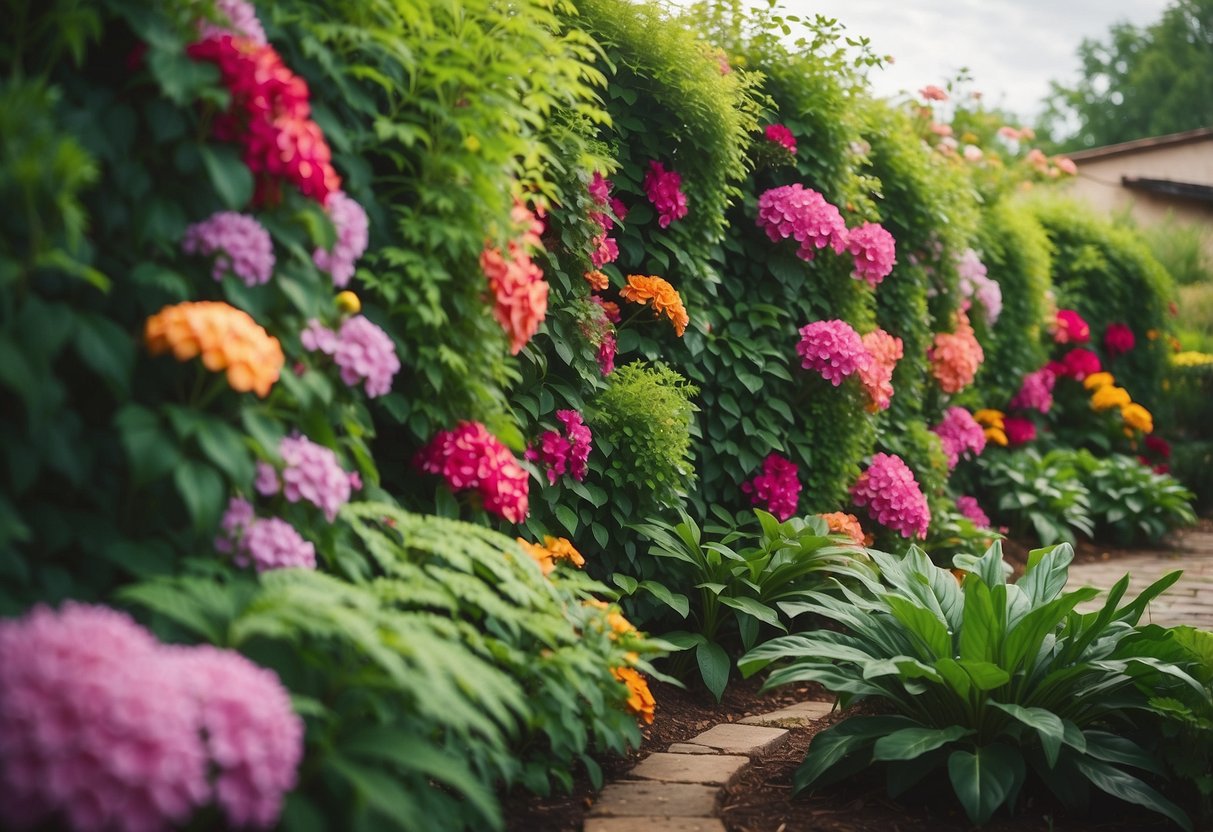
(654, 824)
(632, 799)
(750, 740)
(711, 769)
(799, 715)
(690, 748)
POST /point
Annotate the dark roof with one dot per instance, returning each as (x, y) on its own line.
(1186, 190)
(1200, 134)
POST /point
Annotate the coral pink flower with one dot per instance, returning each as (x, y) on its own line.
(777, 488)
(959, 433)
(933, 93)
(1066, 165)
(1036, 391)
(239, 243)
(350, 221)
(781, 136)
(1019, 431)
(664, 189)
(874, 251)
(833, 349)
(520, 293)
(956, 356)
(1071, 328)
(1118, 339)
(1077, 364)
(969, 508)
(804, 215)
(470, 458)
(941, 129)
(892, 496)
(885, 351)
(1009, 132)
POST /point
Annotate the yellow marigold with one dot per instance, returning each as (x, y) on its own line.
(843, 523)
(990, 418)
(997, 435)
(666, 300)
(1137, 417)
(225, 337)
(1191, 358)
(1106, 398)
(597, 280)
(541, 555)
(640, 698)
(1098, 381)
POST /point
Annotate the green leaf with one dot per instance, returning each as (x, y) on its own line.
(982, 631)
(567, 518)
(923, 624)
(755, 608)
(625, 582)
(984, 675)
(714, 666)
(983, 779)
(909, 743)
(854, 737)
(1046, 723)
(1126, 787)
(107, 349)
(225, 447)
(229, 175)
(201, 489)
(674, 600)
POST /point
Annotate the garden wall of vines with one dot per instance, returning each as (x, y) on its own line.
(373, 373)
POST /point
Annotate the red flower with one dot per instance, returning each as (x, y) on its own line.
(1019, 431)
(1118, 339)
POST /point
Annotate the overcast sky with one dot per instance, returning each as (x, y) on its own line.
(1012, 48)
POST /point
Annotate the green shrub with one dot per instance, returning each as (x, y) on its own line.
(1182, 249)
(1130, 502)
(989, 681)
(1039, 496)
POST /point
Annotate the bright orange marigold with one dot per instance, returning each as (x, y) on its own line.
(598, 281)
(640, 698)
(1106, 398)
(843, 523)
(619, 625)
(1137, 417)
(552, 550)
(227, 338)
(666, 300)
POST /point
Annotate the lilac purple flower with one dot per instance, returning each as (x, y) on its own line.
(272, 543)
(350, 221)
(239, 243)
(362, 351)
(313, 473)
(975, 283)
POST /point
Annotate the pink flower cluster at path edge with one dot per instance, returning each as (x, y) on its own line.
(892, 496)
(470, 458)
(104, 728)
(239, 244)
(777, 488)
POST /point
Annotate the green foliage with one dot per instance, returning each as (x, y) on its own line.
(1043, 497)
(992, 680)
(1182, 249)
(1130, 502)
(741, 587)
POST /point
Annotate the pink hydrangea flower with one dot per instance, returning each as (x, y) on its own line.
(804, 215)
(833, 349)
(1118, 339)
(472, 459)
(311, 472)
(969, 508)
(1036, 392)
(239, 243)
(933, 93)
(272, 543)
(606, 354)
(1019, 431)
(885, 351)
(241, 20)
(781, 136)
(892, 496)
(874, 251)
(959, 433)
(350, 221)
(1071, 328)
(956, 356)
(235, 522)
(362, 351)
(664, 189)
(1077, 364)
(266, 482)
(777, 488)
(976, 283)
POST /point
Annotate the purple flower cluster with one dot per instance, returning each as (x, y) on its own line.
(103, 728)
(240, 244)
(350, 221)
(777, 487)
(804, 215)
(1036, 392)
(874, 251)
(242, 22)
(313, 473)
(833, 349)
(264, 543)
(362, 351)
(664, 189)
(892, 496)
(968, 507)
(960, 433)
(977, 284)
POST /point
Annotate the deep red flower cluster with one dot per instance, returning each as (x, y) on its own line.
(1077, 364)
(777, 488)
(1019, 431)
(1118, 339)
(1071, 328)
(781, 136)
(470, 458)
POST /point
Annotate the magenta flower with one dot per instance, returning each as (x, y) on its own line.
(239, 243)
(362, 351)
(804, 215)
(1079, 363)
(470, 458)
(959, 433)
(781, 136)
(664, 189)
(833, 349)
(1036, 392)
(975, 283)
(350, 221)
(874, 251)
(892, 496)
(969, 508)
(606, 354)
(777, 488)
(1071, 328)
(580, 437)
(1019, 431)
(606, 250)
(1118, 339)
(241, 21)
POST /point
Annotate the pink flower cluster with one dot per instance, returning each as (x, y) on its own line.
(664, 189)
(312, 472)
(1118, 339)
(103, 728)
(1036, 392)
(241, 21)
(565, 452)
(1077, 364)
(892, 496)
(606, 354)
(1071, 328)
(520, 294)
(471, 458)
(350, 221)
(804, 215)
(876, 376)
(264, 543)
(969, 508)
(362, 351)
(833, 349)
(777, 488)
(976, 283)
(606, 250)
(956, 356)
(874, 251)
(781, 136)
(241, 245)
(959, 433)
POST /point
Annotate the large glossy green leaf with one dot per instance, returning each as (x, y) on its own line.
(755, 608)
(1025, 639)
(1132, 611)
(1108, 778)
(854, 736)
(909, 743)
(929, 632)
(983, 779)
(713, 666)
(984, 675)
(1046, 573)
(1046, 724)
(981, 631)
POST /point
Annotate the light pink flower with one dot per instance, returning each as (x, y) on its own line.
(241, 20)
(941, 129)
(975, 283)
(350, 221)
(933, 93)
(272, 543)
(362, 351)
(973, 153)
(892, 496)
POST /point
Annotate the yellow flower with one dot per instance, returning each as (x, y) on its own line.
(348, 303)
(1137, 417)
(1152, 334)
(562, 549)
(1191, 358)
(997, 435)
(1106, 398)
(640, 698)
(1098, 381)
(989, 418)
(665, 298)
(541, 555)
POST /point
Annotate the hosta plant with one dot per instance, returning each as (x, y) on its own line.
(1044, 496)
(1130, 501)
(990, 681)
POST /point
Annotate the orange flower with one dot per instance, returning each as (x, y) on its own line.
(666, 300)
(990, 418)
(842, 523)
(997, 435)
(552, 550)
(226, 338)
(598, 281)
(640, 698)
(619, 625)
(956, 356)
(1137, 417)
(541, 555)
